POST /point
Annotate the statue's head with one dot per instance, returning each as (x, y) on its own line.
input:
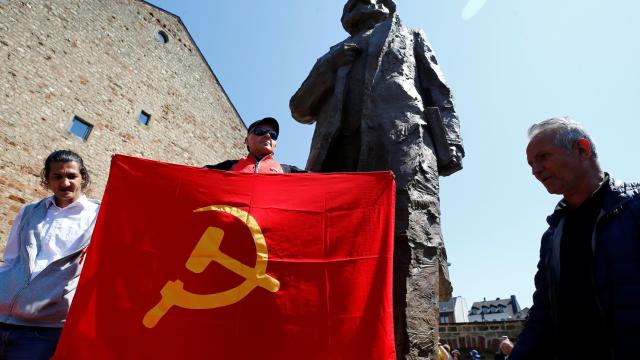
(361, 15)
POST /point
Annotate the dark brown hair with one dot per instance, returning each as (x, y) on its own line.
(64, 156)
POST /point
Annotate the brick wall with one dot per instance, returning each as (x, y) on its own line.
(101, 61)
(484, 337)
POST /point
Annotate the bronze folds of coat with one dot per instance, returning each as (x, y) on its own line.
(391, 109)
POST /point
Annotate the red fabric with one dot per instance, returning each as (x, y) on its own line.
(267, 165)
(329, 242)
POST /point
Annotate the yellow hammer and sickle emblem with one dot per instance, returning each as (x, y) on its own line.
(206, 251)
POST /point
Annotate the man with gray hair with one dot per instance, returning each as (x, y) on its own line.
(588, 279)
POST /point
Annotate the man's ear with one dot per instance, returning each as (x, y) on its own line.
(584, 148)
(246, 139)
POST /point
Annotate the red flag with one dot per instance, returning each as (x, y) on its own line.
(190, 263)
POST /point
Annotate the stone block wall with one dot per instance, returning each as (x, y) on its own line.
(102, 62)
(482, 336)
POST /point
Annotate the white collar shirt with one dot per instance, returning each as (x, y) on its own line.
(61, 232)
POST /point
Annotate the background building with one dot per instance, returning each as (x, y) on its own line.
(484, 337)
(497, 310)
(454, 310)
(103, 77)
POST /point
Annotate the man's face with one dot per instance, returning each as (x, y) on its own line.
(65, 181)
(261, 145)
(558, 169)
(506, 348)
(359, 15)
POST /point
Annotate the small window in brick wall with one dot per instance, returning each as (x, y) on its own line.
(162, 37)
(80, 128)
(144, 118)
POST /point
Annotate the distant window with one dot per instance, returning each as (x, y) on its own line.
(162, 37)
(501, 308)
(144, 118)
(485, 310)
(444, 319)
(80, 128)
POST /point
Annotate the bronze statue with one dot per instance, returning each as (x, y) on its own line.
(380, 102)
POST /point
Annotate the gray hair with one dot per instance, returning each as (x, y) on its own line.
(567, 132)
(505, 341)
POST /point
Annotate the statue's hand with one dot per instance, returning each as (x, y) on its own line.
(307, 101)
(342, 55)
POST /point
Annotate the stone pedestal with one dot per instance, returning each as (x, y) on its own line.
(420, 280)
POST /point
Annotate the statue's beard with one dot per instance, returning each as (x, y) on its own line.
(364, 18)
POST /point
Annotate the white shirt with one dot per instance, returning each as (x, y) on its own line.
(61, 232)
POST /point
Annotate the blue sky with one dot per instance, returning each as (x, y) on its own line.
(509, 64)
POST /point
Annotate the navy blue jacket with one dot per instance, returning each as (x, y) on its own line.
(616, 276)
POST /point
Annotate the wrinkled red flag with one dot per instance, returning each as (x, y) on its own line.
(191, 263)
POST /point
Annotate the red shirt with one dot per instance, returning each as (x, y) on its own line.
(266, 165)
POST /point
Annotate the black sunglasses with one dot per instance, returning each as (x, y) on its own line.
(259, 131)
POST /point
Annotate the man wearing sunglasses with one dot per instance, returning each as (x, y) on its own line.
(261, 141)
